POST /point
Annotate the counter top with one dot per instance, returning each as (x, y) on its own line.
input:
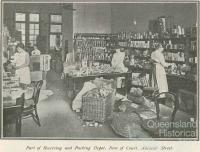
(185, 77)
(99, 75)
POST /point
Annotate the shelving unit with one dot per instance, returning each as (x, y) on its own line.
(178, 50)
(93, 47)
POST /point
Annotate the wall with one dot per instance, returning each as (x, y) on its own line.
(92, 18)
(103, 17)
(45, 10)
(123, 15)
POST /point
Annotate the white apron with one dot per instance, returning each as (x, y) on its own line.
(159, 78)
(23, 73)
(117, 62)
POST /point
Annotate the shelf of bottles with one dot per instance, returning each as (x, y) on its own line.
(174, 46)
(93, 47)
(193, 53)
(140, 46)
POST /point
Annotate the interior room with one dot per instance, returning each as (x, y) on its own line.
(100, 70)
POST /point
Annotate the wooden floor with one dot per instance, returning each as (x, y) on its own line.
(59, 121)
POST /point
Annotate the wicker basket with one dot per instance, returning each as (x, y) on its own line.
(127, 125)
(95, 107)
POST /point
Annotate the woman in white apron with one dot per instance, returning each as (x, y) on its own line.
(117, 63)
(22, 61)
(159, 78)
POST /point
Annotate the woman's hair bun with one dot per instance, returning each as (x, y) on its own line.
(21, 45)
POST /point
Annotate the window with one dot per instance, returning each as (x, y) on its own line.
(34, 17)
(28, 25)
(20, 17)
(56, 18)
(55, 31)
(33, 28)
(20, 25)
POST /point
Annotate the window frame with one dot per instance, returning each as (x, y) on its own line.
(27, 23)
(33, 22)
(55, 23)
(15, 21)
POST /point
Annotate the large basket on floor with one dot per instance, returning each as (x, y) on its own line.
(95, 107)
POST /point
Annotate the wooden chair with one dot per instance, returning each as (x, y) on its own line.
(152, 93)
(30, 105)
(12, 115)
(149, 91)
(170, 98)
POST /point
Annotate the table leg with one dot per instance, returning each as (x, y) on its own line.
(127, 83)
(18, 126)
(74, 87)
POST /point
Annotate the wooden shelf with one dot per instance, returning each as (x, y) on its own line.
(143, 49)
(102, 61)
(142, 57)
(129, 47)
(79, 39)
(173, 61)
(193, 64)
(156, 39)
(174, 50)
(137, 69)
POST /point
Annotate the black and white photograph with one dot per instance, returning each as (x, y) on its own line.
(100, 70)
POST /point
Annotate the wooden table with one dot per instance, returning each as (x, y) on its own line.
(74, 79)
(12, 109)
(176, 82)
(12, 114)
(186, 88)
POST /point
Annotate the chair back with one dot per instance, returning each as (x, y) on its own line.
(171, 100)
(36, 92)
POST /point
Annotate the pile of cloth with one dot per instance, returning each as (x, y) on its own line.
(136, 95)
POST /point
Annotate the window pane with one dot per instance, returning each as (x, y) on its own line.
(20, 16)
(37, 32)
(31, 31)
(18, 26)
(56, 18)
(55, 41)
(23, 37)
(31, 38)
(37, 26)
(52, 41)
(22, 26)
(34, 17)
(23, 32)
(56, 28)
(31, 26)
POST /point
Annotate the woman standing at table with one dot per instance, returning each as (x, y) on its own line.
(22, 60)
(159, 75)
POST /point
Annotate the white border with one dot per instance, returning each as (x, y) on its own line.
(115, 139)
